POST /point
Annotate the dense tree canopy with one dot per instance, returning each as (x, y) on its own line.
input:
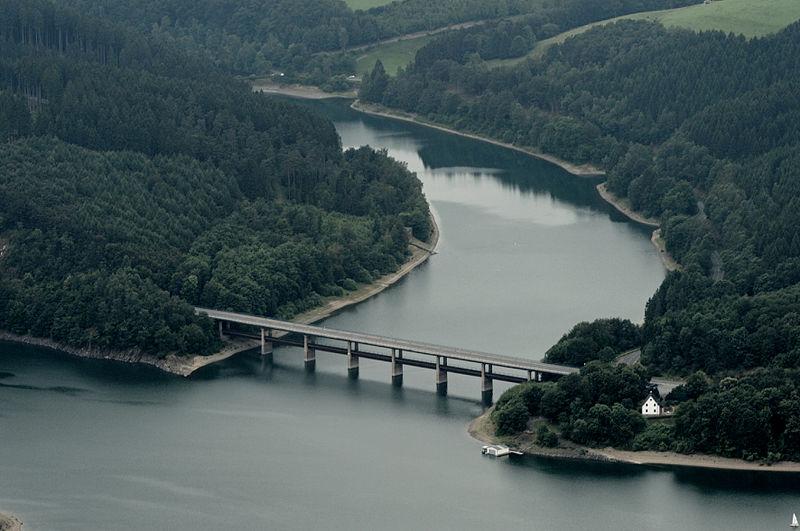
(131, 190)
(299, 37)
(602, 339)
(697, 129)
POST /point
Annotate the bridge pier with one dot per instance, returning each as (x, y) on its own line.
(221, 325)
(309, 352)
(487, 386)
(441, 375)
(266, 346)
(534, 376)
(352, 360)
(397, 367)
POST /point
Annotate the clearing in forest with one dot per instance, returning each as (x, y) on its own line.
(393, 55)
(365, 4)
(751, 18)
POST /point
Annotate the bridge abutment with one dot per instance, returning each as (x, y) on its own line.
(487, 387)
(352, 360)
(310, 355)
(441, 375)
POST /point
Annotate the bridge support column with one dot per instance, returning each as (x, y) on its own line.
(441, 375)
(538, 377)
(266, 345)
(220, 325)
(486, 383)
(397, 367)
(352, 360)
(310, 353)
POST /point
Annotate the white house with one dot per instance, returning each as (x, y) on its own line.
(651, 407)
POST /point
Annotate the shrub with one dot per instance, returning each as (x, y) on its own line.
(511, 417)
(545, 437)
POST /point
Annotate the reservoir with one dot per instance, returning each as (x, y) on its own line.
(526, 251)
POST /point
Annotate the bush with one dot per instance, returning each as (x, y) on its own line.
(349, 284)
(511, 417)
(656, 436)
(545, 437)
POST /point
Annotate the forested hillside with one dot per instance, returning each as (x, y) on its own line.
(696, 129)
(254, 37)
(299, 37)
(136, 182)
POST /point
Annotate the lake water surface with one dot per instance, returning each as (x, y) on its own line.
(526, 251)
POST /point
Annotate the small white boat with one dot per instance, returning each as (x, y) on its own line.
(794, 523)
(498, 450)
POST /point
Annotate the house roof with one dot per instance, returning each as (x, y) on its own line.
(656, 400)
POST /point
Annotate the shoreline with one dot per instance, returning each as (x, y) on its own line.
(625, 209)
(579, 170)
(9, 523)
(482, 429)
(309, 92)
(586, 170)
(186, 366)
(670, 264)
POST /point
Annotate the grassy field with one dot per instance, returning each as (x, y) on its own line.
(751, 18)
(393, 55)
(365, 4)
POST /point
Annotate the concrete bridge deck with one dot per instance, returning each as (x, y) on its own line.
(354, 342)
(454, 353)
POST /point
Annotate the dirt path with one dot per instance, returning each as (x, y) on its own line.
(669, 262)
(410, 36)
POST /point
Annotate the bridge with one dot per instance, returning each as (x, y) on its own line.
(356, 345)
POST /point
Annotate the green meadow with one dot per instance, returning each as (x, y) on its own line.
(751, 18)
(365, 4)
(393, 55)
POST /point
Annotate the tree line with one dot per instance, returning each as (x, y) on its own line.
(129, 194)
(698, 130)
(752, 416)
(653, 107)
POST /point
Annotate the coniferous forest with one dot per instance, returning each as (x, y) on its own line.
(700, 131)
(137, 182)
(139, 179)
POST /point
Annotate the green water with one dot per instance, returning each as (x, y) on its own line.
(526, 251)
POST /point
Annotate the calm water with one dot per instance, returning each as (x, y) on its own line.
(526, 251)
